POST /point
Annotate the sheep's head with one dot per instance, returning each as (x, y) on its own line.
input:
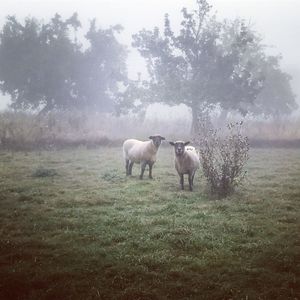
(179, 147)
(156, 139)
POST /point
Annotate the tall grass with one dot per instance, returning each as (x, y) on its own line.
(24, 131)
(21, 131)
(274, 129)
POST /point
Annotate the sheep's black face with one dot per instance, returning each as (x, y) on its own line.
(156, 139)
(179, 147)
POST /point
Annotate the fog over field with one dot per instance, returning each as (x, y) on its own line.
(277, 21)
(149, 149)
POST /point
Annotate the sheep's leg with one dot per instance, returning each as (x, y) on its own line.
(193, 178)
(150, 169)
(143, 166)
(127, 167)
(181, 181)
(191, 181)
(130, 168)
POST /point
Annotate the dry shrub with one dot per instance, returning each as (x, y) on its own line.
(222, 156)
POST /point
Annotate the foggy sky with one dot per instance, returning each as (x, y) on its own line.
(276, 20)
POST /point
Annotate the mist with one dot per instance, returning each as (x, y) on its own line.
(149, 149)
(281, 39)
(278, 23)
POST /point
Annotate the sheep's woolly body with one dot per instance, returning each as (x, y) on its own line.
(138, 151)
(187, 163)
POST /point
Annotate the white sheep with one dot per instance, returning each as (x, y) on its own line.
(186, 161)
(136, 151)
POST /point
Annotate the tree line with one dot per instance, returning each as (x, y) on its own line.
(207, 64)
(46, 67)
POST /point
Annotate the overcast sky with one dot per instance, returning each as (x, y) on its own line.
(278, 21)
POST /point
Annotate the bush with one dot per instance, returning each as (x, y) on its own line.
(44, 172)
(223, 157)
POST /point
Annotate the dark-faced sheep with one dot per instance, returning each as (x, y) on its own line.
(136, 151)
(186, 162)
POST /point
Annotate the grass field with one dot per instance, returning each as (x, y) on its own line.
(72, 226)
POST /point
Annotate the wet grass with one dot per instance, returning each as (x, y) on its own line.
(72, 226)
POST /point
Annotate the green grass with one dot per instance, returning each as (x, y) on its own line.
(85, 231)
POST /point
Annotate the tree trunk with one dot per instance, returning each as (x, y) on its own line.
(201, 122)
(195, 124)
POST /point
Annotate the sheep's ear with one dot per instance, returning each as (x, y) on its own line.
(162, 138)
(172, 143)
(186, 143)
(151, 137)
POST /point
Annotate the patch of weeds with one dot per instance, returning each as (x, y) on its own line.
(44, 172)
(7, 158)
(200, 216)
(112, 176)
(24, 198)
